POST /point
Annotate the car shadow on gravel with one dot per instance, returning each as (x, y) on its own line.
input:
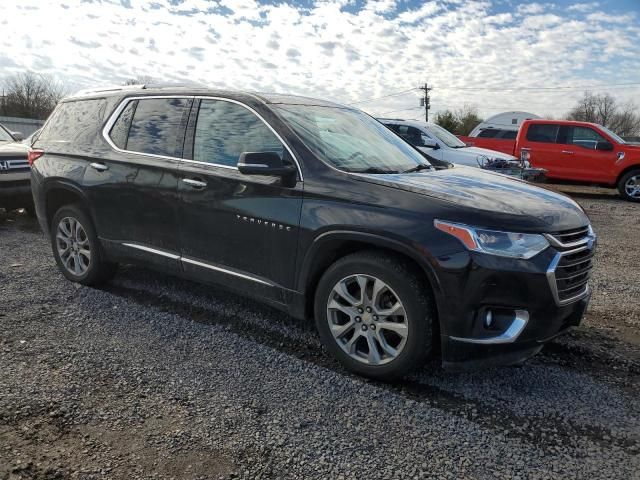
(570, 367)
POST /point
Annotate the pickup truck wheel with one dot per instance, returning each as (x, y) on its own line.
(629, 186)
(373, 315)
(76, 247)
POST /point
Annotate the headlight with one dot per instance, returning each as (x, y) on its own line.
(503, 244)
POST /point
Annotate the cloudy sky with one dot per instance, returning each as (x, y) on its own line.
(496, 55)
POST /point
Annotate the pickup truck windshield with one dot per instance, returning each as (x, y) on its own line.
(612, 135)
(350, 140)
(449, 139)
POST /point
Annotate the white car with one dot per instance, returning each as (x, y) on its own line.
(438, 143)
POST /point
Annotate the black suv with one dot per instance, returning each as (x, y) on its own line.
(319, 210)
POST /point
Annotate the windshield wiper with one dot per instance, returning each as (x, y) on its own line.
(374, 170)
(417, 168)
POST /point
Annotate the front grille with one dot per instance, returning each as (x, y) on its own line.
(570, 269)
(14, 165)
(569, 237)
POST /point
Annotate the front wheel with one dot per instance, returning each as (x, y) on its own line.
(374, 315)
(76, 247)
(629, 186)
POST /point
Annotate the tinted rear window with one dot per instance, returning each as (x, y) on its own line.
(542, 132)
(75, 122)
(155, 127)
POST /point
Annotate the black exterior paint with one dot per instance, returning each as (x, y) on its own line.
(279, 232)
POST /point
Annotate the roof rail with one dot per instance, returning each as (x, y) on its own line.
(141, 86)
(111, 88)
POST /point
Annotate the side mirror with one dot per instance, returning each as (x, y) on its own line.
(429, 143)
(264, 163)
(604, 146)
(18, 136)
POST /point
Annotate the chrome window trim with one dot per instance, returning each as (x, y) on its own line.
(510, 335)
(199, 263)
(551, 278)
(116, 114)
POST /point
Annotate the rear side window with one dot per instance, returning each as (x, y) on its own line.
(156, 126)
(488, 133)
(74, 122)
(509, 134)
(120, 130)
(542, 132)
(224, 130)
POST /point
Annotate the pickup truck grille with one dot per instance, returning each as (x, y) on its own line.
(570, 269)
(13, 165)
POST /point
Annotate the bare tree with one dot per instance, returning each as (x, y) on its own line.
(604, 110)
(30, 95)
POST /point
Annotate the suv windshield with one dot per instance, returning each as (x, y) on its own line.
(4, 135)
(449, 139)
(350, 140)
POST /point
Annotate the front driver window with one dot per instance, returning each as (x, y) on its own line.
(224, 130)
(586, 137)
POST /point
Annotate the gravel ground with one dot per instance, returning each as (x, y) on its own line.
(156, 377)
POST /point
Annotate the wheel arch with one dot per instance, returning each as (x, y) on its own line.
(635, 166)
(60, 193)
(331, 246)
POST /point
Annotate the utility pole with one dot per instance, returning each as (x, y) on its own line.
(424, 101)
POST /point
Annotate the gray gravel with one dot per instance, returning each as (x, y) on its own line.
(155, 377)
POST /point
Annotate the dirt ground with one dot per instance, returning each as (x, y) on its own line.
(155, 377)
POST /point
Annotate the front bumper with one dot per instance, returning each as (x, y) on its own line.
(15, 194)
(518, 293)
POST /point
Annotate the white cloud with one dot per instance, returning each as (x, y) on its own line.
(583, 7)
(330, 49)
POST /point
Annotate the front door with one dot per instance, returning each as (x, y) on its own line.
(586, 162)
(236, 229)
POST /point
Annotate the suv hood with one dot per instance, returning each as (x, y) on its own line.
(501, 202)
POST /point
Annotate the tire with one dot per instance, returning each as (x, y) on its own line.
(629, 186)
(83, 261)
(337, 318)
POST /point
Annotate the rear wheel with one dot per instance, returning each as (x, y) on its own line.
(76, 247)
(374, 316)
(629, 186)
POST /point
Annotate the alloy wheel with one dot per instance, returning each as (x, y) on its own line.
(367, 319)
(632, 186)
(73, 246)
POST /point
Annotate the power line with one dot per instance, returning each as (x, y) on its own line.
(401, 110)
(384, 96)
(560, 88)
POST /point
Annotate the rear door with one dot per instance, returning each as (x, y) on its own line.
(133, 188)
(238, 230)
(541, 141)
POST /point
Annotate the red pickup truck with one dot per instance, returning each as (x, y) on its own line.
(575, 151)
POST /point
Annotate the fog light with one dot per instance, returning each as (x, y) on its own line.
(488, 319)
